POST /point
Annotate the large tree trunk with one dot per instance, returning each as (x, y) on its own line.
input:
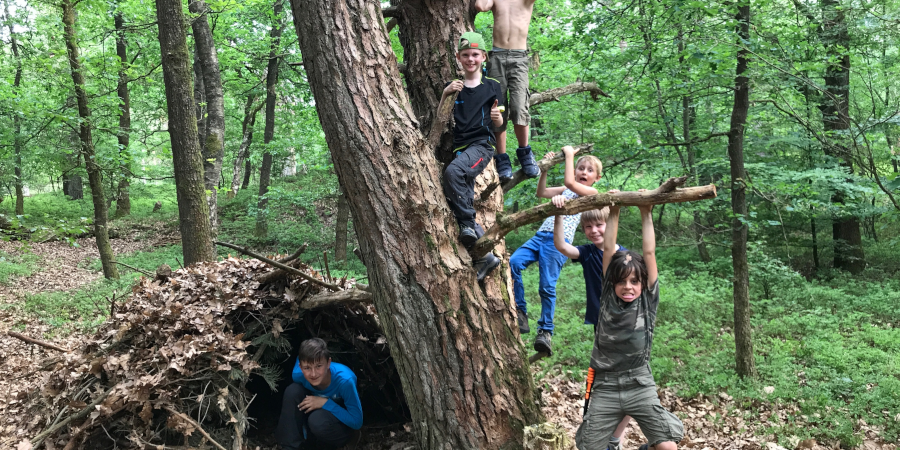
(123, 201)
(746, 367)
(213, 142)
(101, 233)
(246, 139)
(265, 170)
(454, 342)
(340, 228)
(193, 211)
(17, 119)
(848, 250)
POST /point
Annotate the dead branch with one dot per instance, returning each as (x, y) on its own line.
(439, 125)
(553, 95)
(295, 255)
(537, 357)
(391, 24)
(37, 342)
(390, 11)
(665, 193)
(135, 269)
(195, 425)
(39, 439)
(334, 298)
(277, 264)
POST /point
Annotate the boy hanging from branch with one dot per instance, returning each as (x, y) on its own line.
(475, 115)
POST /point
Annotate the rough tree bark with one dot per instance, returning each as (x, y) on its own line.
(848, 250)
(265, 170)
(248, 172)
(193, 211)
(213, 141)
(746, 366)
(101, 233)
(454, 342)
(246, 139)
(123, 200)
(17, 119)
(340, 228)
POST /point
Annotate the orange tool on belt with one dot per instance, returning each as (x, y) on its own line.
(587, 392)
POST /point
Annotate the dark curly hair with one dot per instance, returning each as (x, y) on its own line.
(625, 263)
(314, 350)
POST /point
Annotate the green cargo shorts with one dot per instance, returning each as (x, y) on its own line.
(510, 68)
(632, 393)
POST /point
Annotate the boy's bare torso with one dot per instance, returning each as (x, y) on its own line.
(511, 20)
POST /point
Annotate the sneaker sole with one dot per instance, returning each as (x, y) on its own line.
(524, 330)
(540, 347)
(488, 269)
(468, 241)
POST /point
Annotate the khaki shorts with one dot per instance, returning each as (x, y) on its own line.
(628, 393)
(510, 68)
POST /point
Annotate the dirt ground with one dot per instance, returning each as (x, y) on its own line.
(710, 423)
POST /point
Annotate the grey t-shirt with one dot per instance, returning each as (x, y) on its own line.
(624, 330)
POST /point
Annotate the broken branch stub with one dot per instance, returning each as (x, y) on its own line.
(665, 193)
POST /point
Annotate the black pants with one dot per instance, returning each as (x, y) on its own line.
(322, 428)
(459, 181)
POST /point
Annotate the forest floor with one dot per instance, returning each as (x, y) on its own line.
(711, 421)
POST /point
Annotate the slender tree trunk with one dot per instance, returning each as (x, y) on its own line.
(213, 142)
(248, 172)
(454, 341)
(848, 251)
(199, 98)
(340, 228)
(193, 210)
(123, 201)
(746, 367)
(17, 119)
(265, 171)
(246, 139)
(101, 233)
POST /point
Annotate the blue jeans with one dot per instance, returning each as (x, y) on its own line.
(538, 249)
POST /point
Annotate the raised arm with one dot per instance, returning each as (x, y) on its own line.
(609, 238)
(547, 192)
(559, 240)
(570, 180)
(484, 5)
(649, 244)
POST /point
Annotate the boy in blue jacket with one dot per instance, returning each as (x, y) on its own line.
(322, 405)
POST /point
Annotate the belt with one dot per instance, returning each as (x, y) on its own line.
(639, 371)
(506, 50)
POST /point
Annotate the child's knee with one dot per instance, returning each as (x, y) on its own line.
(667, 445)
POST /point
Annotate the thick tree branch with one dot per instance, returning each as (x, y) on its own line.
(279, 265)
(390, 11)
(440, 120)
(553, 95)
(391, 24)
(666, 193)
(349, 296)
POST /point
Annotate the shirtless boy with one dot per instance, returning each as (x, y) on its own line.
(508, 63)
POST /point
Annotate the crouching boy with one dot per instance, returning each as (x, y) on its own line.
(321, 408)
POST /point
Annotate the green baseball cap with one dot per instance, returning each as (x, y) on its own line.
(471, 39)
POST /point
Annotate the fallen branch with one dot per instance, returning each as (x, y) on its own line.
(39, 439)
(333, 298)
(135, 269)
(553, 95)
(279, 265)
(295, 255)
(537, 357)
(439, 125)
(665, 193)
(37, 342)
(195, 425)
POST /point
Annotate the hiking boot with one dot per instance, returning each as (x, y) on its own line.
(523, 322)
(542, 342)
(467, 236)
(526, 160)
(486, 265)
(504, 167)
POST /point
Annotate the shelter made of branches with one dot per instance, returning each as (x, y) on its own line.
(201, 355)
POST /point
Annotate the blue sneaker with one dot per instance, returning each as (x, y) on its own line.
(526, 160)
(504, 167)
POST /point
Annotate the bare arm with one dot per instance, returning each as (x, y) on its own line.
(609, 238)
(559, 240)
(547, 192)
(484, 5)
(570, 180)
(649, 244)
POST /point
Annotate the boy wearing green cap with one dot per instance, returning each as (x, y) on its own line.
(475, 114)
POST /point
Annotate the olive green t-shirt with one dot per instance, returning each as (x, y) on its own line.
(624, 330)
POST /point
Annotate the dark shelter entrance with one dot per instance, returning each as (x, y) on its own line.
(354, 340)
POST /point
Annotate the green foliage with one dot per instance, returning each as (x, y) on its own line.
(19, 264)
